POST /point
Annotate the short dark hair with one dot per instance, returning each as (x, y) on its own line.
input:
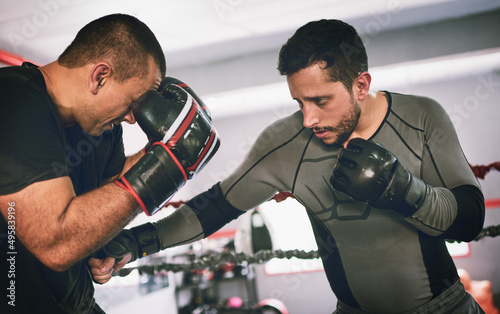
(122, 40)
(331, 41)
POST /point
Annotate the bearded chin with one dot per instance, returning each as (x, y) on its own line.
(346, 126)
(341, 138)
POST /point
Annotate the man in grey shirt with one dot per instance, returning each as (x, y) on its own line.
(382, 176)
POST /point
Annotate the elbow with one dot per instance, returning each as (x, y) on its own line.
(57, 262)
(469, 236)
(58, 267)
(475, 229)
(470, 216)
(476, 220)
(466, 229)
(470, 227)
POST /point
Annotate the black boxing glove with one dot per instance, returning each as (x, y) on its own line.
(369, 172)
(187, 130)
(184, 141)
(153, 136)
(139, 241)
(170, 80)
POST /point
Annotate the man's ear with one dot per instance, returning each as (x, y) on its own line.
(100, 73)
(361, 86)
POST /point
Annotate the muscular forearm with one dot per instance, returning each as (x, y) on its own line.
(59, 228)
(197, 219)
(91, 220)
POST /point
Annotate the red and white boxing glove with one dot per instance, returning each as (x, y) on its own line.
(171, 80)
(183, 142)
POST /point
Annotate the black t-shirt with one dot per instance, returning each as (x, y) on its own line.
(34, 147)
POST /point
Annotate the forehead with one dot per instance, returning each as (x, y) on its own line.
(315, 71)
(150, 80)
(312, 81)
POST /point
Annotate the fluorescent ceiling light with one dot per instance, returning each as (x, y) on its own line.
(272, 96)
(436, 69)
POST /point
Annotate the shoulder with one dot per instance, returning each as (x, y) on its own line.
(291, 124)
(279, 134)
(28, 117)
(13, 75)
(24, 92)
(418, 111)
(404, 103)
(25, 76)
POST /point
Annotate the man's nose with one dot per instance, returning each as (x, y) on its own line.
(311, 117)
(129, 117)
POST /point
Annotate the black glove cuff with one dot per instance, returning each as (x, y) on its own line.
(393, 195)
(147, 239)
(416, 193)
(124, 243)
(404, 194)
(414, 196)
(155, 178)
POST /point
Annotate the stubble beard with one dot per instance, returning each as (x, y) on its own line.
(346, 126)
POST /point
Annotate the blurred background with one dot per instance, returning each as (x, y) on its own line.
(227, 51)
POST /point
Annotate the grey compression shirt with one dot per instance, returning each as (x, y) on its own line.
(375, 259)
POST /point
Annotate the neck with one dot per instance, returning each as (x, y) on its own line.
(373, 110)
(59, 82)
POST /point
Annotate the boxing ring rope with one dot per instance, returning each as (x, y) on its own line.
(214, 260)
(8, 58)
(481, 171)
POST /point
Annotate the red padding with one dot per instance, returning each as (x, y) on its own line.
(11, 59)
(127, 187)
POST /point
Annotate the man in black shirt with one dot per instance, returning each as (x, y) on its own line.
(61, 149)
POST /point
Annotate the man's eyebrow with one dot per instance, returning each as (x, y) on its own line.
(317, 97)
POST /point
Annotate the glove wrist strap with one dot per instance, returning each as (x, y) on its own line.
(147, 239)
(415, 195)
(405, 193)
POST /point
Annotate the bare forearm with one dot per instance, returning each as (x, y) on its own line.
(59, 228)
(99, 215)
(93, 219)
